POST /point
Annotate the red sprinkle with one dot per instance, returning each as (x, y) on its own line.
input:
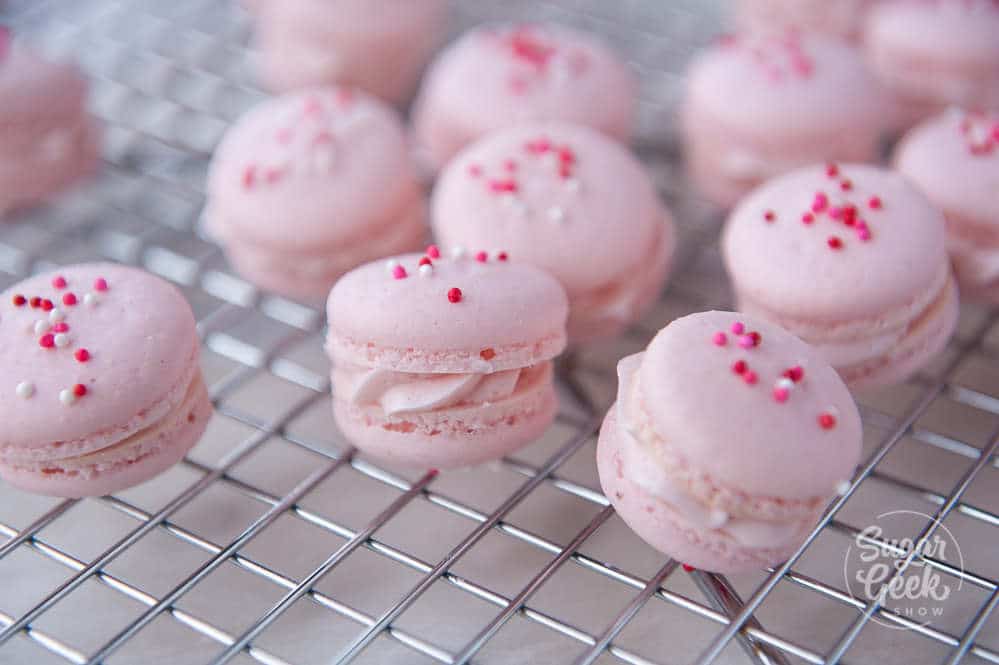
(82, 355)
(47, 305)
(503, 186)
(832, 170)
(399, 272)
(749, 377)
(425, 261)
(688, 569)
(874, 203)
(846, 185)
(46, 341)
(19, 301)
(79, 390)
(796, 373)
(59, 282)
(769, 215)
(433, 252)
(502, 256)
(69, 299)
(35, 302)
(481, 257)
(827, 421)
(100, 284)
(249, 176)
(60, 327)
(807, 218)
(757, 338)
(834, 242)
(454, 295)
(740, 366)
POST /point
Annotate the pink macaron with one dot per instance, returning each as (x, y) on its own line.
(101, 385)
(721, 453)
(932, 53)
(311, 184)
(851, 259)
(558, 195)
(380, 47)
(499, 76)
(836, 18)
(444, 362)
(47, 140)
(761, 105)
(954, 160)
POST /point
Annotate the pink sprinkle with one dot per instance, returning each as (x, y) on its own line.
(807, 218)
(747, 341)
(249, 176)
(749, 377)
(69, 299)
(100, 284)
(864, 234)
(399, 272)
(781, 394)
(874, 203)
(820, 202)
(481, 257)
(433, 252)
(740, 367)
(835, 212)
(60, 327)
(738, 328)
(502, 256)
(59, 282)
(719, 339)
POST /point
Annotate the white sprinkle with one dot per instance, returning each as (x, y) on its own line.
(56, 315)
(25, 389)
(556, 214)
(67, 397)
(785, 383)
(842, 487)
(572, 184)
(62, 340)
(391, 265)
(42, 326)
(426, 270)
(91, 300)
(458, 253)
(717, 518)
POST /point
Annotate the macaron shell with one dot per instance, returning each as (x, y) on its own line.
(142, 349)
(317, 168)
(509, 315)
(605, 203)
(716, 425)
(37, 91)
(656, 523)
(788, 266)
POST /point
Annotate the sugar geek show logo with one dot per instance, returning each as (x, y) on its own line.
(874, 568)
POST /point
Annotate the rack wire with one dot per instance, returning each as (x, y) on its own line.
(274, 543)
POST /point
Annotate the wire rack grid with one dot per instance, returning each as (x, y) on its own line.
(273, 543)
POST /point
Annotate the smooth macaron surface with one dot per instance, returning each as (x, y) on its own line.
(91, 354)
(36, 90)
(552, 195)
(835, 243)
(954, 159)
(459, 315)
(329, 163)
(733, 426)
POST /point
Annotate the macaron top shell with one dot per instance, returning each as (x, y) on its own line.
(791, 84)
(954, 159)
(359, 18)
(962, 32)
(326, 162)
(460, 315)
(125, 336)
(554, 195)
(835, 243)
(739, 432)
(35, 90)
(517, 73)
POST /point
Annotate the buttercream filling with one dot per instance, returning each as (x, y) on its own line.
(643, 471)
(400, 393)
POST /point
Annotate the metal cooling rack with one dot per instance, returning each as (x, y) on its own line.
(273, 543)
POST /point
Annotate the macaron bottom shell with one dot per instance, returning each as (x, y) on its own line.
(137, 459)
(662, 527)
(452, 437)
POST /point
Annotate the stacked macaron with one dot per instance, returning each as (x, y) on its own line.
(309, 185)
(444, 361)
(500, 76)
(572, 201)
(380, 47)
(48, 140)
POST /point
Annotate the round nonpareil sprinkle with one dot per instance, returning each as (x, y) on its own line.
(738, 328)
(82, 355)
(481, 257)
(25, 389)
(827, 420)
(426, 270)
(69, 299)
(100, 284)
(739, 366)
(42, 326)
(90, 300)
(433, 252)
(56, 315)
(61, 340)
(398, 272)
(458, 253)
(59, 282)
(454, 295)
(19, 301)
(719, 339)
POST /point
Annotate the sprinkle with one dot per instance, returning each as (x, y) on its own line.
(556, 214)
(79, 390)
(785, 383)
(391, 265)
(502, 256)
(454, 295)
(864, 234)
(47, 341)
(757, 338)
(69, 299)
(25, 389)
(832, 170)
(61, 340)
(687, 569)
(846, 185)
(827, 420)
(807, 218)
(426, 270)
(399, 272)
(769, 216)
(91, 300)
(47, 305)
(738, 328)
(781, 394)
(458, 253)
(249, 176)
(820, 202)
(746, 342)
(82, 355)
(67, 397)
(874, 203)
(796, 373)
(56, 315)
(481, 257)
(35, 302)
(719, 339)
(503, 186)
(100, 284)
(59, 282)
(42, 327)
(739, 366)
(433, 252)
(19, 301)
(842, 487)
(834, 242)
(60, 327)
(539, 146)
(749, 377)
(425, 261)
